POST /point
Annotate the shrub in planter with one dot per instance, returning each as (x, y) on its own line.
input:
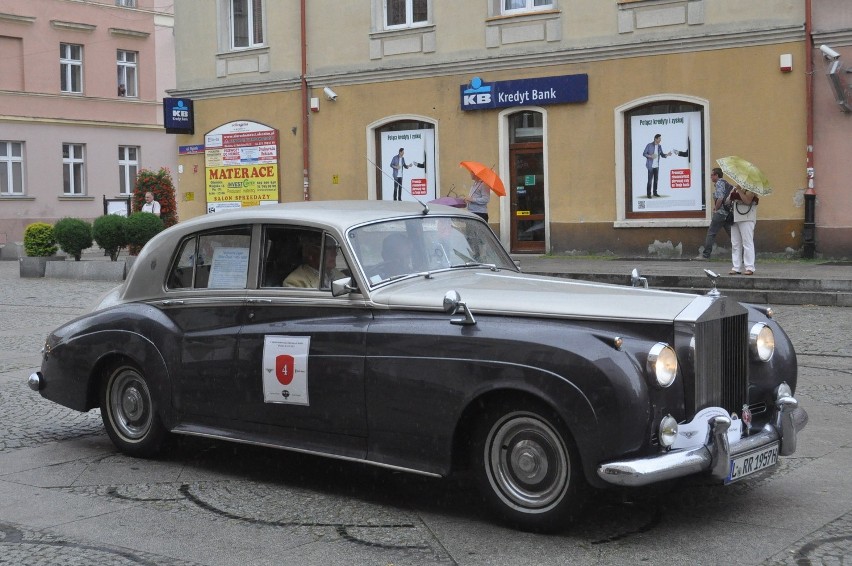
(39, 240)
(141, 227)
(73, 235)
(108, 232)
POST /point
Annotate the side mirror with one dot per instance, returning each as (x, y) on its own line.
(454, 305)
(342, 287)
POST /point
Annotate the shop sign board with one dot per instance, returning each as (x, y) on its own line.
(564, 89)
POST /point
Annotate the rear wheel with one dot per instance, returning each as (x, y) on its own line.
(528, 469)
(129, 412)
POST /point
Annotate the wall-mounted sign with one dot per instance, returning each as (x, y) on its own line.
(479, 95)
(178, 117)
(190, 149)
(241, 165)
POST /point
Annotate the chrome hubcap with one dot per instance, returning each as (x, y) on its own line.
(527, 462)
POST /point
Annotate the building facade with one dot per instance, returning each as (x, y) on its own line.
(81, 89)
(312, 100)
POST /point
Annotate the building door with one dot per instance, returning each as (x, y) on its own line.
(526, 183)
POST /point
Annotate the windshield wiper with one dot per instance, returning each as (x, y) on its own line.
(490, 266)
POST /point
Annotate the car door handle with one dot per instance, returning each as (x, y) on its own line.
(258, 301)
(171, 302)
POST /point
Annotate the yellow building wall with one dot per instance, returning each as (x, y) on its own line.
(765, 124)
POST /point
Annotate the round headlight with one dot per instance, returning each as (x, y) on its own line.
(668, 431)
(761, 340)
(662, 364)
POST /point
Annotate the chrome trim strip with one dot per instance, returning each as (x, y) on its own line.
(238, 440)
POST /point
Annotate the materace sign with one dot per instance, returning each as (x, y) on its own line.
(241, 165)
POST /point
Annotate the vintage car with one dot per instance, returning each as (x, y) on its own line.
(404, 335)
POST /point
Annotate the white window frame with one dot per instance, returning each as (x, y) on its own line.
(409, 15)
(70, 68)
(128, 72)
(73, 169)
(251, 7)
(529, 6)
(13, 167)
(128, 168)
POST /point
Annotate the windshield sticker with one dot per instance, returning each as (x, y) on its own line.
(285, 369)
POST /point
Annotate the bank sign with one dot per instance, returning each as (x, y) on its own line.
(479, 95)
(177, 116)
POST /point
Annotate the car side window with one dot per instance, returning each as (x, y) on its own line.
(300, 258)
(216, 259)
(282, 254)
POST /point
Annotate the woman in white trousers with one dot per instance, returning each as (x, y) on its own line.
(742, 232)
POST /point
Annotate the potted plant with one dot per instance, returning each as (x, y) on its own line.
(40, 246)
(109, 233)
(73, 236)
(141, 227)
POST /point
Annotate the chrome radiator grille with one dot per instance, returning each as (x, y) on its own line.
(721, 363)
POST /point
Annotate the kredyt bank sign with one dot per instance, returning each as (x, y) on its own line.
(479, 95)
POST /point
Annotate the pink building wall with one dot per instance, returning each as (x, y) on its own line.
(832, 25)
(34, 111)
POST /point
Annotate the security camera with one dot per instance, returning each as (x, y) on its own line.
(829, 53)
(330, 94)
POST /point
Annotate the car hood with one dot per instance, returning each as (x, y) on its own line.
(506, 292)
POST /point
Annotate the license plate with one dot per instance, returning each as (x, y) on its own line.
(752, 462)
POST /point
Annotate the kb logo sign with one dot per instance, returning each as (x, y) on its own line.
(477, 95)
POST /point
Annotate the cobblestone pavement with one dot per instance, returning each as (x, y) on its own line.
(67, 497)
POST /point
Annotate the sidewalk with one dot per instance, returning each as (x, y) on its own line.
(776, 281)
(783, 282)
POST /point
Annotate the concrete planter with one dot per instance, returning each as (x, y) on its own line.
(87, 270)
(36, 266)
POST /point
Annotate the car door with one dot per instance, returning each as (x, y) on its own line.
(205, 300)
(301, 356)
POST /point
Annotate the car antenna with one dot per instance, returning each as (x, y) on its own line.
(385, 173)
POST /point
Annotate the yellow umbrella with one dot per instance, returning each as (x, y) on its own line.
(745, 174)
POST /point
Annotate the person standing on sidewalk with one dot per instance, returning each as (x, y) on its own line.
(720, 217)
(742, 231)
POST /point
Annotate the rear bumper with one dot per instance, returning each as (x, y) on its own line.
(714, 456)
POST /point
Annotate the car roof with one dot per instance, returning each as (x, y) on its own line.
(335, 214)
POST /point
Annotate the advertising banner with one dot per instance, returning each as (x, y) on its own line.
(418, 179)
(675, 174)
(241, 165)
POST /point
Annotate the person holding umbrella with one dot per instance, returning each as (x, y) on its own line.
(749, 182)
(484, 180)
(478, 197)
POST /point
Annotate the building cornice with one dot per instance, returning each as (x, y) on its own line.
(16, 19)
(73, 26)
(507, 62)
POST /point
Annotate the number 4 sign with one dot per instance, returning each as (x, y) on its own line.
(285, 369)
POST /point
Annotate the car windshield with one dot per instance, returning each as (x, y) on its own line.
(397, 248)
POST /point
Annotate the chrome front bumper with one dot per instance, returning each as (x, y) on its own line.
(715, 456)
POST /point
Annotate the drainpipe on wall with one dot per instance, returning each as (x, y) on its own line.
(306, 138)
(808, 232)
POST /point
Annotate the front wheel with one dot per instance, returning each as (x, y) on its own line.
(129, 412)
(528, 469)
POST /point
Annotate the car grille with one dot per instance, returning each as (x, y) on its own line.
(721, 363)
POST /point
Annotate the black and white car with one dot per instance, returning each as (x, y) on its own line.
(422, 347)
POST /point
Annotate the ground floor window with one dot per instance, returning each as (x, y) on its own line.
(128, 168)
(73, 171)
(11, 168)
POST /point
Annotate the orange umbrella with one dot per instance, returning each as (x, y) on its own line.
(486, 175)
